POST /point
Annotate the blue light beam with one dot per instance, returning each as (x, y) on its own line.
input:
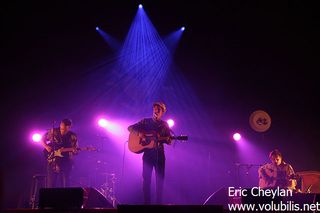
(111, 41)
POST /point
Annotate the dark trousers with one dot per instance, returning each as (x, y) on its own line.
(59, 175)
(154, 160)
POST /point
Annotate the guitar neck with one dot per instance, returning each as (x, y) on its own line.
(164, 138)
(173, 137)
(69, 149)
(78, 149)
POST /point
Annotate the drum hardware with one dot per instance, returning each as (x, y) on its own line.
(108, 188)
(38, 181)
(247, 168)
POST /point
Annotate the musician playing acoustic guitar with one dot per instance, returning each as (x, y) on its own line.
(277, 173)
(59, 168)
(153, 157)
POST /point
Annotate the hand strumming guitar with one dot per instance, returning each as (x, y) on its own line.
(48, 148)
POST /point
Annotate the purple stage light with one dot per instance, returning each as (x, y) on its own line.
(103, 122)
(236, 136)
(112, 126)
(116, 129)
(97, 28)
(140, 6)
(36, 137)
(183, 28)
(170, 123)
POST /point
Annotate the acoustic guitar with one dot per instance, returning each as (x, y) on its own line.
(139, 144)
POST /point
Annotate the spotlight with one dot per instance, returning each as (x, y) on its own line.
(140, 6)
(36, 137)
(170, 123)
(236, 136)
(182, 28)
(103, 122)
(97, 28)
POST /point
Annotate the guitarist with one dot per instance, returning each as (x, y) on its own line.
(59, 168)
(277, 173)
(153, 158)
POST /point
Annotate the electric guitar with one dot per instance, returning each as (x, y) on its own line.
(50, 156)
(139, 144)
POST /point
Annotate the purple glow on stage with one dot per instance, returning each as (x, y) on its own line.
(36, 137)
(103, 122)
(115, 128)
(170, 123)
(236, 136)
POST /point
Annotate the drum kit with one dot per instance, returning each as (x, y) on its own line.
(104, 180)
(107, 189)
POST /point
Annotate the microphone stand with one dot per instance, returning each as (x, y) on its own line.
(247, 166)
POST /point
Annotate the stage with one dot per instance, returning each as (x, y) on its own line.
(102, 210)
(131, 208)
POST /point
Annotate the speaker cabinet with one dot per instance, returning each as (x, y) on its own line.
(61, 198)
(72, 198)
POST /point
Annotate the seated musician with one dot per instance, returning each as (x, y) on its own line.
(277, 173)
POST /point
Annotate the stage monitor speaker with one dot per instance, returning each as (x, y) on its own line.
(170, 208)
(61, 198)
(94, 199)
